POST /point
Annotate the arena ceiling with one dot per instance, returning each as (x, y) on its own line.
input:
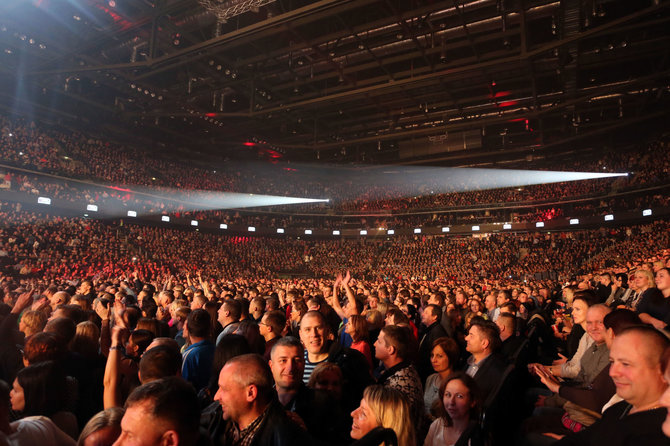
(346, 80)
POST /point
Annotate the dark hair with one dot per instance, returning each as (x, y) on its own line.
(256, 371)
(275, 319)
(4, 396)
(360, 326)
(43, 347)
(73, 312)
(228, 347)
(174, 401)
(434, 310)
(159, 362)
(588, 296)
(398, 316)
(402, 340)
(141, 338)
(620, 319)
(474, 395)
(150, 324)
(199, 323)
(234, 308)
(287, 341)
(489, 331)
(450, 348)
(44, 388)
(63, 327)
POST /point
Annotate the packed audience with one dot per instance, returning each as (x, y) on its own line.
(114, 333)
(96, 158)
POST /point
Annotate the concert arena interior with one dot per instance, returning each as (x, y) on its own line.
(334, 222)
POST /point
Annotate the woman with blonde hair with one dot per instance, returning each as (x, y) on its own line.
(652, 306)
(383, 407)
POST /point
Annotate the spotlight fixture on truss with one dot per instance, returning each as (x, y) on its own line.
(224, 10)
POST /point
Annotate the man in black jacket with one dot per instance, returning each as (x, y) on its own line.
(430, 317)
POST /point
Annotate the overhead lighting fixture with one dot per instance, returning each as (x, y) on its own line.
(609, 217)
(132, 214)
(446, 229)
(475, 228)
(194, 222)
(43, 200)
(574, 221)
(539, 224)
(280, 230)
(364, 232)
(336, 232)
(390, 231)
(507, 226)
(417, 230)
(308, 232)
(92, 207)
(251, 229)
(223, 226)
(165, 218)
(646, 212)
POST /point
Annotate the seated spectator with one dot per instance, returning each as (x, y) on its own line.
(444, 359)
(432, 330)
(457, 422)
(484, 365)
(636, 370)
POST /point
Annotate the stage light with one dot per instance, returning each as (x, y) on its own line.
(132, 214)
(165, 218)
(92, 207)
(223, 226)
(336, 232)
(280, 230)
(251, 229)
(475, 228)
(539, 224)
(308, 232)
(507, 226)
(646, 212)
(364, 232)
(609, 217)
(390, 232)
(417, 230)
(446, 229)
(194, 222)
(43, 200)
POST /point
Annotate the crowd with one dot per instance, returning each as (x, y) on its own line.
(72, 154)
(114, 333)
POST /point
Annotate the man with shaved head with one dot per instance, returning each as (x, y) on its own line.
(635, 368)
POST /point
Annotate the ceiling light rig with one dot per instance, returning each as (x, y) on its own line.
(231, 8)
